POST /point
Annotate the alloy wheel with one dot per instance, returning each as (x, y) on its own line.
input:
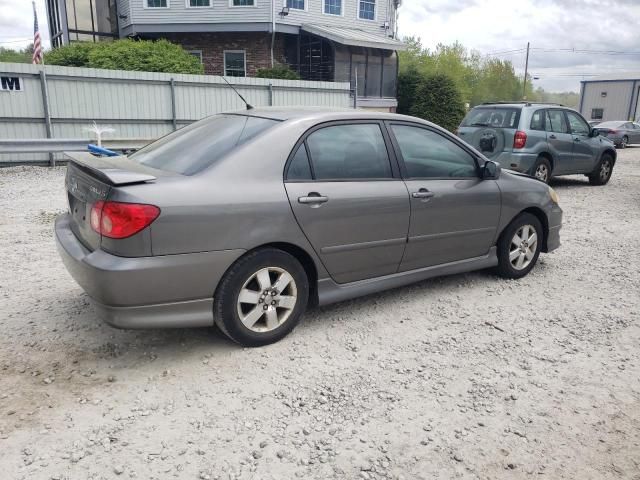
(625, 142)
(267, 299)
(523, 247)
(542, 172)
(605, 170)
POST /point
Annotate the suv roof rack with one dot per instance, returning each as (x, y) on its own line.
(528, 104)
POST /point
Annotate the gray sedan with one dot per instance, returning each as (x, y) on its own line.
(245, 219)
(620, 132)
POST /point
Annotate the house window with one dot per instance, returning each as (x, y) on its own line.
(196, 53)
(603, 94)
(367, 9)
(199, 3)
(597, 113)
(157, 3)
(242, 3)
(235, 64)
(333, 7)
(296, 4)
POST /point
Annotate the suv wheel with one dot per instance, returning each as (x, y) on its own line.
(519, 246)
(602, 173)
(542, 170)
(261, 298)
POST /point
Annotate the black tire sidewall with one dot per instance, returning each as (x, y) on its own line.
(594, 178)
(505, 269)
(225, 299)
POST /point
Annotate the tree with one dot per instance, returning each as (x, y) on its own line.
(143, 55)
(15, 56)
(438, 99)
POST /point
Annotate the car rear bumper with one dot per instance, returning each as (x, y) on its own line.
(142, 292)
(518, 161)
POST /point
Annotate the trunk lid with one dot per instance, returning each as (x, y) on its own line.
(91, 179)
(490, 129)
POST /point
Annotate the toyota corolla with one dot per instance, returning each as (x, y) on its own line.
(243, 220)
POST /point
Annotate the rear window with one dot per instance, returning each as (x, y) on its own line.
(191, 149)
(495, 117)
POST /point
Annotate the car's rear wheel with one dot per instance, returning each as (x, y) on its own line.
(261, 298)
(542, 169)
(625, 142)
(602, 174)
(519, 246)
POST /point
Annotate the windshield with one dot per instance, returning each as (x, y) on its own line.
(495, 117)
(194, 148)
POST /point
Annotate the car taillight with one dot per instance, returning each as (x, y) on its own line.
(121, 220)
(520, 139)
(613, 132)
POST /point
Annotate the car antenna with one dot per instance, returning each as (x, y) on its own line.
(249, 106)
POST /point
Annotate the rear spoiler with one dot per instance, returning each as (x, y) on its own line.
(116, 171)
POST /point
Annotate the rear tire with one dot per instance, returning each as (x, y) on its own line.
(542, 169)
(261, 298)
(602, 173)
(519, 246)
(624, 143)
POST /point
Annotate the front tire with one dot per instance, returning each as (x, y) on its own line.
(542, 170)
(261, 298)
(602, 173)
(519, 246)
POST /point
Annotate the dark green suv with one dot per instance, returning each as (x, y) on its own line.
(543, 140)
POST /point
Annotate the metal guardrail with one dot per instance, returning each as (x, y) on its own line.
(55, 145)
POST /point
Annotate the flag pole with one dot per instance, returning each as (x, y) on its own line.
(39, 59)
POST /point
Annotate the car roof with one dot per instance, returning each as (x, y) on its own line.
(322, 114)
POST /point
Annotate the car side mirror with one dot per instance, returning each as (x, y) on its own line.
(594, 132)
(491, 170)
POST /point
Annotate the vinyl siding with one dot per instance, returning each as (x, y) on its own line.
(221, 12)
(615, 104)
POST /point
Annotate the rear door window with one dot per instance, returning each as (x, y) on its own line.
(299, 168)
(556, 122)
(343, 152)
(191, 149)
(495, 117)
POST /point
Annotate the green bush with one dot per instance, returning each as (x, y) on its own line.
(280, 71)
(143, 56)
(435, 98)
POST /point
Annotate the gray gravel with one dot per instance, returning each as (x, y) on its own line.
(467, 376)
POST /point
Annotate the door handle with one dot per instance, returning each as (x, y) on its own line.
(553, 137)
(313, 198)
(423, 193)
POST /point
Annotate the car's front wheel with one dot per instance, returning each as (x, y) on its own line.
(602, 174)
(261, 298)
(519, 246)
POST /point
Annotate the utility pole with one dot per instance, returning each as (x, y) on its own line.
(526, 72)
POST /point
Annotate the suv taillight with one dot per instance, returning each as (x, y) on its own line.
(520, 139)
(121, 220)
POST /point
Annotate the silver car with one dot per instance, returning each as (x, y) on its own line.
(245, 219)
(620, 132)
(543, 140)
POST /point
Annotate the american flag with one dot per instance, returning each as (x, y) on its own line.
(37, 43)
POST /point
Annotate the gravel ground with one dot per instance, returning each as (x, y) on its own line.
(466, 376)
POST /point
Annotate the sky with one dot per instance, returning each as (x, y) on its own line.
(608, 29)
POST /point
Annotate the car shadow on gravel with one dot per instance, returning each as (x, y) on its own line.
(575, 181)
